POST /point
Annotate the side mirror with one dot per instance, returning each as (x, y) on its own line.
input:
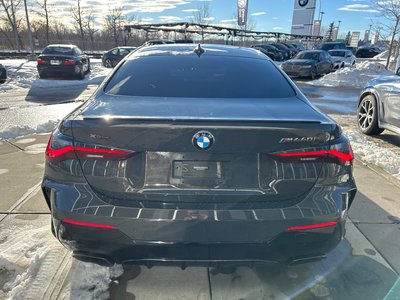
(398, 72)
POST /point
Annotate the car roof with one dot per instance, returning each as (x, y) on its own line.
(185, 49)
(62, 45)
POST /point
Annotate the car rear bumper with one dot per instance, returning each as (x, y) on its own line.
(57, 70)
(181, 235)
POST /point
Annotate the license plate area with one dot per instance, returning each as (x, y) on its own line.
(55, 62)
(201, 173)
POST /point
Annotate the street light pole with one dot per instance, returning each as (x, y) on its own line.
(338, 29)
(29, 29)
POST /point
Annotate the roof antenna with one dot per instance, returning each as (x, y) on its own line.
(198, 50)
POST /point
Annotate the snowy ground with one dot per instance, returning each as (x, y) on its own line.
(22, 74)
(354, 76)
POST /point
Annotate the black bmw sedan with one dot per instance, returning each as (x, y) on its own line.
(112, 57)
(63, 60)
(309, 63)
(198, 154)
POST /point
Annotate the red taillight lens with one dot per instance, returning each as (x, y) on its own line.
(87, 224)
(60, 148)
(312, 226)
(69, 62)
(41, 62)
(340, 153)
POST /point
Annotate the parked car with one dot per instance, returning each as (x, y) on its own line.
(187, 154)
(276, 54)
(379, 105)
(290, 52)
(291, 47)
(270, 52)
(309, 63)
(368, 52)
(158, 42)
(331, 46)
(112, 57)
(3, 74)
(63, 60)
(342, 58)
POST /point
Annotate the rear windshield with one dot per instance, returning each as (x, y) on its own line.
(327, 47)
(308, 55)
(337, 53)
(58, 50)
(204, 77)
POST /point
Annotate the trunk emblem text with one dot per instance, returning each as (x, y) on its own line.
(298, 139)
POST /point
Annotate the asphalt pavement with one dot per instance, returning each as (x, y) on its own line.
(364, 266)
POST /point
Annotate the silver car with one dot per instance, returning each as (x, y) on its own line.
(342, 58)
(379, 105)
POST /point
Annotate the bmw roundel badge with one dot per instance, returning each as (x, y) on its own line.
(203, 140)
(303, 3)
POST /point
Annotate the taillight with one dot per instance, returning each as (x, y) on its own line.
(41, 62)
(88, 224)
(60, 148)
(339, 153)
(69, 62)
(312, 226)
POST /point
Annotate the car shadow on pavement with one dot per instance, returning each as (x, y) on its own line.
(389, 137)
(58, 90)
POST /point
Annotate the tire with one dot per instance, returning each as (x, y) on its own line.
(342, 66)
(81, 74)
(88, 68)
(313, 74)
(108, 63)
(2, 81)
(367, 116)
(42, 75)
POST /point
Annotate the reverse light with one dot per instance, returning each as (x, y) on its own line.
(60, 148)
(313, 226)
(89, 225)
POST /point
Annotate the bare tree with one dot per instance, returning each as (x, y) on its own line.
(202, 15)
(45, 13)
(390, 9)
(79, 22)
(10, 8)
(114, 22)
(90, 21)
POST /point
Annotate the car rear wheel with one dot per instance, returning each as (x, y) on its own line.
(2, 81)
(108, 63)
(42, 75)
(88, 68)
(313, 73)
(368, 116)
(81, 73)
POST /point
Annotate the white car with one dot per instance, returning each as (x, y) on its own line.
(342, 58)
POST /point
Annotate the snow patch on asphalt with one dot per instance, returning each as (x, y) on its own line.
(22, 130)
(354, 76)
(91, 281)
(22, 74)
(30, 256)
(371, 153)
(3, 171)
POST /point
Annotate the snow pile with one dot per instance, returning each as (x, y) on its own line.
(356, 77)
(372, 153)
(90, 281)
(30, 258)
(22, 130)
(23, 74)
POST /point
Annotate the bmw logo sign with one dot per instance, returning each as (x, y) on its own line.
(203, 140)
(303, 3)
